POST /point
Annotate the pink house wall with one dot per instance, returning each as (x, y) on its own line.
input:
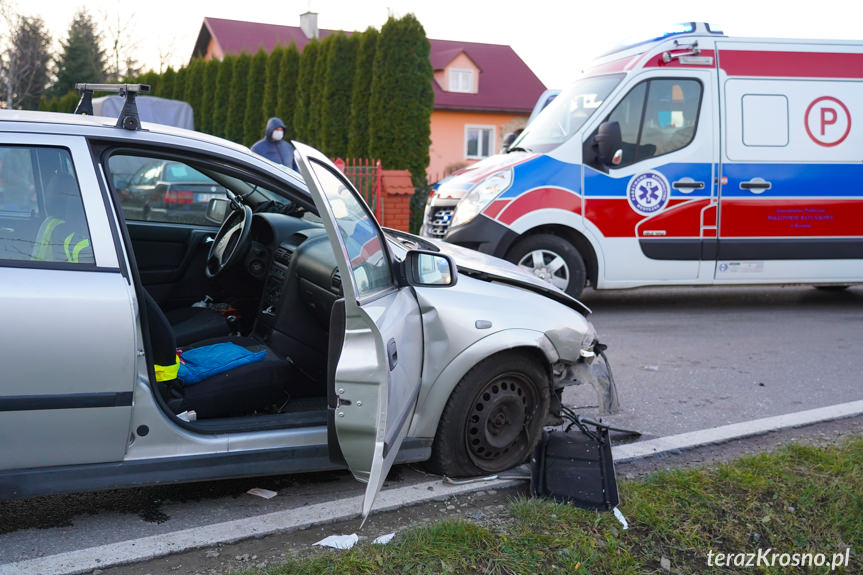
(447, 151)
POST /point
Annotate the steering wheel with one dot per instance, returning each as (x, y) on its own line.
(231, 242)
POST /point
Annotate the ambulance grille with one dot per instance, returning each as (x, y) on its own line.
(438, 221)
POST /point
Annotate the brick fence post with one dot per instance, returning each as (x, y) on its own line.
(397, 192)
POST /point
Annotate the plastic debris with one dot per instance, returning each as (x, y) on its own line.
(384, 539)
(265, 493)
(451, 481)
(621, 518)
(339, 541)
(188, 416)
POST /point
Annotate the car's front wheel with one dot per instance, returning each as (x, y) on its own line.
(493, 418)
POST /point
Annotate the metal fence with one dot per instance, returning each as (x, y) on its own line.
(366, 176)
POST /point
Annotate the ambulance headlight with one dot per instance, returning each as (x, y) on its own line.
(480, 196)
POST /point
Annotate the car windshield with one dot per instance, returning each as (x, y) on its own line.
(566, 114)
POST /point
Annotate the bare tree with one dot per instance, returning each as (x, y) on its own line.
(121, 46)
(24, 66)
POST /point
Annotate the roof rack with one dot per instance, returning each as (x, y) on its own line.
(128, 118)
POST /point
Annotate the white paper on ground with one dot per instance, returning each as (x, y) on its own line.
(339, 541)
(621, 518)
(384, 539)
(265, 493)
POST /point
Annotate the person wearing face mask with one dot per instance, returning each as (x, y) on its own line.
(274, 147)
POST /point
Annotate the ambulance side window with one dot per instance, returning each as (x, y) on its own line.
(657, 117)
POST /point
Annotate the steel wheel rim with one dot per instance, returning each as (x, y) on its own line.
(496, 432)
(546, 265)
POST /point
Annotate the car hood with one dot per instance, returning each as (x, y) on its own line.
(482, 266)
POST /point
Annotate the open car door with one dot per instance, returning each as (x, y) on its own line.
(377, 377)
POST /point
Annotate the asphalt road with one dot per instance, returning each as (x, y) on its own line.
(684, 359)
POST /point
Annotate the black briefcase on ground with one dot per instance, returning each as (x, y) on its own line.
(576, 466)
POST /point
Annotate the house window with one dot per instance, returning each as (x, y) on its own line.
(461, 80)
(479, 141)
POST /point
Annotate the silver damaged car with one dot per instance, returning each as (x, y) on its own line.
(288, 333)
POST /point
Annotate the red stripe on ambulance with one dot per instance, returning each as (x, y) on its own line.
(541, 198)
(782, 218)
(495, 208)
(791, 64)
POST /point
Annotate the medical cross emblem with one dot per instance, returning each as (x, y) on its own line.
(648, 193)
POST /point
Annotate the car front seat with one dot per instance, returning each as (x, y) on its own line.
(192, 324)
(254, 387)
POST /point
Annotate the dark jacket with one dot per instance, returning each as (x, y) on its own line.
(281, 152)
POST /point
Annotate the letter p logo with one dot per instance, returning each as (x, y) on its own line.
(827, 121)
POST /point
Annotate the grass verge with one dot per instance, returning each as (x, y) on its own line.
(796, 500)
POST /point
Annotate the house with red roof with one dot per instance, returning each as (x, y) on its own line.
(481, 91)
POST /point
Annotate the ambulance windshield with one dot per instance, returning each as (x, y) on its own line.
(566, 114)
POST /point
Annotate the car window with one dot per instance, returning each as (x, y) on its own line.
(160, 190)
(657, 117)
(41, 213)
(361, 238)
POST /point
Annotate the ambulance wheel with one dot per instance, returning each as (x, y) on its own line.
(553, 259)
(493, 419)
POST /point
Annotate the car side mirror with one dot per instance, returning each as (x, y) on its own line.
(609, 143)
(217, 209)
(422, 268)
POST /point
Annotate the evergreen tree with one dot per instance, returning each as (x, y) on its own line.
(194, 88)
(237, 98)
(166, 83)
(336, 104)
(179, 89)
(316, 95)
(358, 133)
(222, 96)
(204, 117)
(81, 57)
(254, 121)
(402, 98)
(152, 79)
(271, 82)
(305, 79)
(288, 89)
(68, 102)
(24, 66)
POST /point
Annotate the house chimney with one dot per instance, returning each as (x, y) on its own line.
(309, 24)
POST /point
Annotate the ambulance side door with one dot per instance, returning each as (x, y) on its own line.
(657, 207)
(791, 202)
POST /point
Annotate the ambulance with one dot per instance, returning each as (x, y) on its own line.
(691, 159)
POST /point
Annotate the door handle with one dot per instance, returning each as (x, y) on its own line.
(686, 185)
(392, 354)
(756, 185)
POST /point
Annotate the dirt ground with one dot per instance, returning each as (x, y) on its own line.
(484, 506)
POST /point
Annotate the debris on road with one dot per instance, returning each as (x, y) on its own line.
(339, 541)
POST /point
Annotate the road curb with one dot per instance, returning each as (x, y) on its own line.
(286, 521)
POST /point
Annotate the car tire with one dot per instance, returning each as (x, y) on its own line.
(553, 259)
(493, 419)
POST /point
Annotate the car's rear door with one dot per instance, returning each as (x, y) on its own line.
(377, 375)
(68, 341)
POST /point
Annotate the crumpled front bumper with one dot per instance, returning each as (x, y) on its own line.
(593, 369)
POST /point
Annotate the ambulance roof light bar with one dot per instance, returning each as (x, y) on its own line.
(128, 118)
